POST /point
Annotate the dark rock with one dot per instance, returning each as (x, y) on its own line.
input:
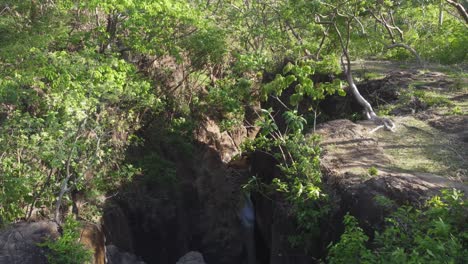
(117, 256)
(192, 257)
(162, 222)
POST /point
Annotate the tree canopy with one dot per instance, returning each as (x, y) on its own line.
(78, 79)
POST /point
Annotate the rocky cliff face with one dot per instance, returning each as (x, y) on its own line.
(198, 211)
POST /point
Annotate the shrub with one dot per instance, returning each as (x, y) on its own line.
(351, 247)
(67, 249)
(435, 234)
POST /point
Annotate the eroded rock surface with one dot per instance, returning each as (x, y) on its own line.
(18, 243)
(160, 222)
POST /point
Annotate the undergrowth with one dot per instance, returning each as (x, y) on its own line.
(436, 233)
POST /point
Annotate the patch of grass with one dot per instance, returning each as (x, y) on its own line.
(416, 84)
(432, 98)
(456, 110)
(460, 83)
(384, 110)
(373, 76)
(458, 76)
(418, 147)
(358, 171)
(372, 171)
(405, 66)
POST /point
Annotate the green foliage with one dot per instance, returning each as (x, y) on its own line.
(351, 248)
(250, 63)
(301, 186)
(160, 27)
(373, 171)
(300, 183)
(157, 170)
(72, 114)
(427, 97)
(299, 75)
(227, 101)
(384, 201)
(444, 44)
(206, 46)
(309, 216)
(70, 104)
(435, 234)
(456, 110)
(66, 248)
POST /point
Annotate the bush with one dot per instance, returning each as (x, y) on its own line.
(435, 234)
(351, 247)
(67, 249)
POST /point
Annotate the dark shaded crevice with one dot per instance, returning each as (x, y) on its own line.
(262, 247)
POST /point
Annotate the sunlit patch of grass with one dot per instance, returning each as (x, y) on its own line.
(384, 110)
(416, 146)
(432, 98)
(456, 110)
(373, 76)
(460, 83)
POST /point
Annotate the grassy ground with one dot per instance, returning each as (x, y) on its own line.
(433, 139)
(417, 146)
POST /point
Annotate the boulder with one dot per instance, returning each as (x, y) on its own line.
(18, 243)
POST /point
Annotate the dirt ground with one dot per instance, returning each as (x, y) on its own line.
(431, 115)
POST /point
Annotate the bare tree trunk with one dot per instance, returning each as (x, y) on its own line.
(370, 114)
(441, 13)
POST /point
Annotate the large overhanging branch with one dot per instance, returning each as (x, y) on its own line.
(460, 8)
(407, 47)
